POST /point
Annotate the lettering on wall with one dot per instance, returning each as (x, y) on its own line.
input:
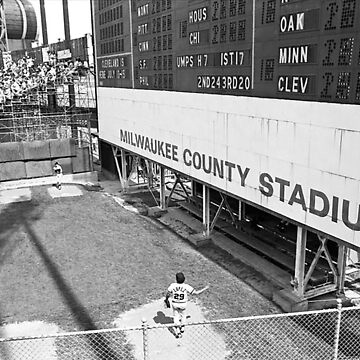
(312, 200)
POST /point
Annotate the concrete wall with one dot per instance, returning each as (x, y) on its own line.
(24, 160)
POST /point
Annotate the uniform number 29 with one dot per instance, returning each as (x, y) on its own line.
(178, 296)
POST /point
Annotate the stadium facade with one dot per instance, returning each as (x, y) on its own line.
(257, 102)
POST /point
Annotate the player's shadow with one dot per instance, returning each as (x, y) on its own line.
(161, 318)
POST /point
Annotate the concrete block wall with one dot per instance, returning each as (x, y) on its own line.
(36, 150)
(24, 160)
(12, 151)
(12, 170)
(81, 161)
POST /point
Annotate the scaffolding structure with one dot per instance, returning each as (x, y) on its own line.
(47, 127)
(77, 95)
(4, 44)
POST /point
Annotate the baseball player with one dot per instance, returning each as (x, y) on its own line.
(178, 294)
(58, 172)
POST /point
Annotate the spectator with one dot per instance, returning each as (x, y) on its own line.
(22, 79)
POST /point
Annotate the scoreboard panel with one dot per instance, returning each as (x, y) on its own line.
(287, 49)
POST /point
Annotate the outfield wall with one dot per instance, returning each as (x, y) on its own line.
(295, 158)
(24, 160)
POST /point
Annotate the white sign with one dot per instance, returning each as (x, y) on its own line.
(7, 59)
(64, 54)
(295, 158)
(45, 54)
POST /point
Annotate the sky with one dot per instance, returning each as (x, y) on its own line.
(79, 16)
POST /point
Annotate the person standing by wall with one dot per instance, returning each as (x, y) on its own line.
(58, 173)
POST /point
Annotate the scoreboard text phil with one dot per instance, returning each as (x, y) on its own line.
(295, 49)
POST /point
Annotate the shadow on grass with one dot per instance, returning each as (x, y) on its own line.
(98, 343)
(11, 220)
(11, 217)
(5, 352)
(18, 216)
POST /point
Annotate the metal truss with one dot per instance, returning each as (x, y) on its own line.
(4, 43)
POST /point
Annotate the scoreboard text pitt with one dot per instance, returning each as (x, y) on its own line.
(293, 49)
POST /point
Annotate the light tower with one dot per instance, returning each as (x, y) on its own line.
(43, 22)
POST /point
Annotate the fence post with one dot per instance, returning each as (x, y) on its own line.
(337, 331)
(145, 339)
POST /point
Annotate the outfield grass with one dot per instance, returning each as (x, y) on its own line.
(80, 262)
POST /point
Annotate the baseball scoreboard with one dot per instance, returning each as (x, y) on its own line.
(291, 49)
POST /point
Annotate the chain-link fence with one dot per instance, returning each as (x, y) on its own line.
(328, 334)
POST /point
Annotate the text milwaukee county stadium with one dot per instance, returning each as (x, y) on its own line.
(313, 201)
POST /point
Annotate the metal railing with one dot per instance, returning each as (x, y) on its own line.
(327, 334)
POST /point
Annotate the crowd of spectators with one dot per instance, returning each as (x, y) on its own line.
(23, 79)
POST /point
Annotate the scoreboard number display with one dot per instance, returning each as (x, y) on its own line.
(289, 49)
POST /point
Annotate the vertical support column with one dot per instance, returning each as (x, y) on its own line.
(206, 211)
(192, 188)
(66, 22)
(114, 151)
(43, 22)
(91, 145)
(162, 188)
(125, 181)
(300, 261)
(150, 173)
(241, 215)
(71, 87)
(341, 266)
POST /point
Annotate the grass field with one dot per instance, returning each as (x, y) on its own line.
(80, 262)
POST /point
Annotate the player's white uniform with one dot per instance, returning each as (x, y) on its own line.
(58, 172)
(179, 298)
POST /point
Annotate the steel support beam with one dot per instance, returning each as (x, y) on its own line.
(206, 211)
(323, 288)
(218, 212)
(192, 188)
(116, 155)
(224, 203)
(163, 202)
(43, 22)
(172, 190)
(298, 282)
(177, 181)
(241, 214)
(121, 170)
(341, 267)
(4, 42)
(182, 185)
